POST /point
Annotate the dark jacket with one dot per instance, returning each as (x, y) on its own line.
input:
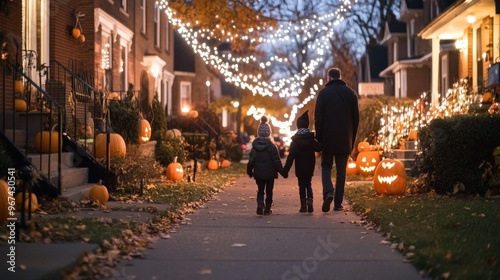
(264, 161)
(336, 117)
(302, 151)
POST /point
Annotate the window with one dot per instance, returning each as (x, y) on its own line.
(185, 98)
(394, 52)
(123, 68)
(123, 5)
(157, 25)
(167, 35)
(444, 75)
(411, 38)
(106, 61)
(143, 15)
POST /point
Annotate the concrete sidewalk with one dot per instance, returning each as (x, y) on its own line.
(226, 240)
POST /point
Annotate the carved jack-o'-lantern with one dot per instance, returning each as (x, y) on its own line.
(352, 168)
(144, 129)
(496, 156)
(390, 177)
(175, 172)
(367, 162)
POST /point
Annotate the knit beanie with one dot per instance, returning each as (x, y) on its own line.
(264, 127)
(303, 120)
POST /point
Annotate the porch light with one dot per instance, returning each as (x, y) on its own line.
(461, 44)
(185, 109)
(471, 19)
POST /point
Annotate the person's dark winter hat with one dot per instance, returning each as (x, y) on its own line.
(264, 127)
(303, 120)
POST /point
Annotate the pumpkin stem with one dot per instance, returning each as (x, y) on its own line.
(99, 182)
(175, 159)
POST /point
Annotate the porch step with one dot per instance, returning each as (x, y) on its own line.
(20, 134)
(41, 161)
(411, 145)
(71, 177)
(79, 192)
(405, 154)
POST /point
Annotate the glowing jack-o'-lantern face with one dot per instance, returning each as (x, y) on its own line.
(352, 167)
(367, 162)
(144, 131)
(390, 177)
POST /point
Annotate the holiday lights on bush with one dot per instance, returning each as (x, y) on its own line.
(397, 121)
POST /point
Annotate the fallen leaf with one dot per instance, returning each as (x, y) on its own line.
(239, 245)
(205, 271)
(81, 227)
(165, 236)
(385, 242)
(445, 275)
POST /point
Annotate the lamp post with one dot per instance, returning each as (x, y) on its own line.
(193, 114)
(208, 91)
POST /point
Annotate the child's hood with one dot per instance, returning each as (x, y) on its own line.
(304, 141)
(261, 144)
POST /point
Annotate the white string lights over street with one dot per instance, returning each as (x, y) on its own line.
(229, 65)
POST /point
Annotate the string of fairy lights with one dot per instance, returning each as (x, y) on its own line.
(229, 65)
(398, 121)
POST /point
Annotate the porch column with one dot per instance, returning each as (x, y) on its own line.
(435, 71)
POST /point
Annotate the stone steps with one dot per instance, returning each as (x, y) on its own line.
(407, 156)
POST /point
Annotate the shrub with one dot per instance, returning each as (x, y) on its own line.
(166, 150)
(124, 116)
(158, 120)
(133, 168)
(453, 149)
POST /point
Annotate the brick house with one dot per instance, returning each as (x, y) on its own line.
(471, 28)
(407, 74)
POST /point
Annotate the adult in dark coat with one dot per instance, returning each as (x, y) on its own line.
(336, 123)
(302, 151)
(264, 163)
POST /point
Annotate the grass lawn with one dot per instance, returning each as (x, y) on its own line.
(455, 238)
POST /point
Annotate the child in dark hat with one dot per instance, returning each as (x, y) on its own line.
(302, 151)
(264, 164)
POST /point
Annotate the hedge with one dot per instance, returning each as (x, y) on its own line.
(453, 150)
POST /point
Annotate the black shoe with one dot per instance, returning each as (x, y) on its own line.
(260, 209)
(338, 207)
(310, 208)
(326, 203)
(303, 207)
(267, 209)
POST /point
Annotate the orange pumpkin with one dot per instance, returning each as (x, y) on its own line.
(412, 136)
(48, 141)
(225, 163)
(114, 96)
(352, 168)
(81, 38)
(363, 146)
(4, 201)
(19, 204)
(367, 162)
(175, 172)
(18, 86)
(99, 192)
(193, 114)
(144, 131)
(213, 164)
(390, 177)
(76, 32)
(20, 105)
(117, 147)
